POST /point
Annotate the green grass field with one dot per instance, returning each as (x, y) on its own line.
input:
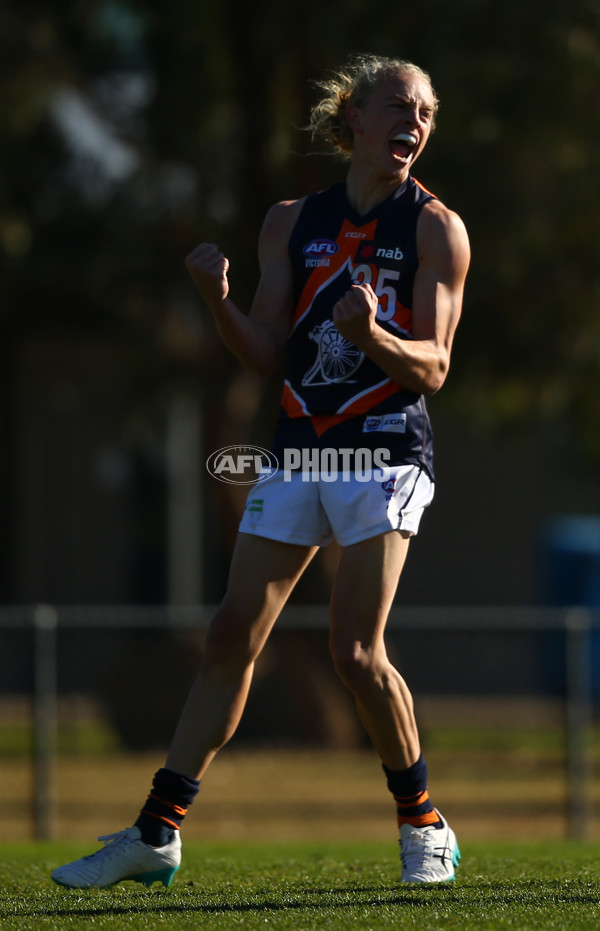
(554, 885)
(251, 857)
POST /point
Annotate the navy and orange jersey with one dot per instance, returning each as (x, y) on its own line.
(330, 386)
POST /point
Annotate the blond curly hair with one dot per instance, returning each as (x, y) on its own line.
(352, 85)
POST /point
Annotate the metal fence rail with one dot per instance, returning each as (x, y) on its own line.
(577, 624)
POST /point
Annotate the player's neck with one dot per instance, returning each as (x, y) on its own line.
(365, 192)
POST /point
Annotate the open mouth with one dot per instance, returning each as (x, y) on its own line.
(403, 144)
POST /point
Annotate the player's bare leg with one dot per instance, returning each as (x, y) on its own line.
(366, 582)
(364, 589)
(263, 573)
(262, 576)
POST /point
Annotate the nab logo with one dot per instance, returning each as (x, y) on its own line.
(320, 247)
(395, 254)
(242, 465)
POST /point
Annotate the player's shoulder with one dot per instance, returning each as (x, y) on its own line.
(277, 228)
(438, 222)
(281, 217)
(435, 213)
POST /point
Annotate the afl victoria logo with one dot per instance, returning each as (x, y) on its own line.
(242, 465)
(320, 247)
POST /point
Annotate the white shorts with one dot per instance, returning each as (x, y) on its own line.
(313, 513)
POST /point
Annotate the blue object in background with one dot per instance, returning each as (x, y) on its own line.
(572, 561)
(570, 576)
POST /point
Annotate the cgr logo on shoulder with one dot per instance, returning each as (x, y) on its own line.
(242, 465)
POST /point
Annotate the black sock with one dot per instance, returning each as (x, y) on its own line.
(409, 788)
(166, 806)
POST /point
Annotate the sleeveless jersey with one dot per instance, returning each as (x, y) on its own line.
(332, 391)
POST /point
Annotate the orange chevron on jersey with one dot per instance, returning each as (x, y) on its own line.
(294, 406)
(323, 422)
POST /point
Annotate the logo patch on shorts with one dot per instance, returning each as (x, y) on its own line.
(385, 423)
(389, 487)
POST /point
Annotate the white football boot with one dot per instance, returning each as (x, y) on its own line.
(124, 856)
(429, 854)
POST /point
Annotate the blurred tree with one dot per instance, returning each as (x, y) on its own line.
(524, 135)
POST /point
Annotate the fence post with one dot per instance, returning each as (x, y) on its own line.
(45, 622)
(579, 719)
(184, 502)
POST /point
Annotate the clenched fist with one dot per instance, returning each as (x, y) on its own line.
(354, 314)
(208, 267)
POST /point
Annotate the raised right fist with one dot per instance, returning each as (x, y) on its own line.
(208, 267)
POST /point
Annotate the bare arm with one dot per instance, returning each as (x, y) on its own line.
(421, 364)
(258, 338)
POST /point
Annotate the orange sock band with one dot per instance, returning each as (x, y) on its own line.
(152, 814)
